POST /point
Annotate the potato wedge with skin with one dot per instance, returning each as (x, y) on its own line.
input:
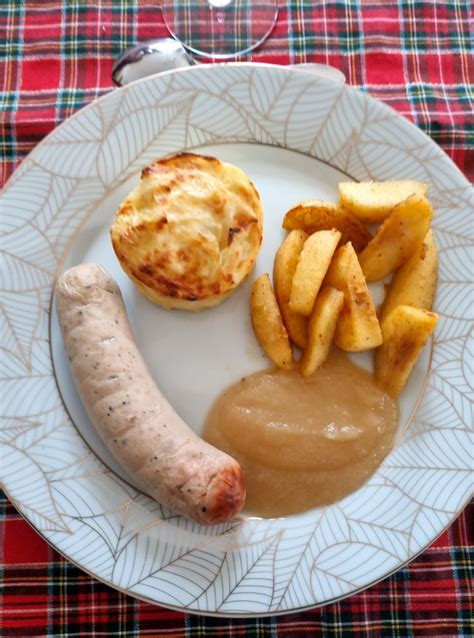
(405, 332)
(321, 329)
(397, 238)
(286, 260)
(312, 215)
(312, 266)
(357, 327)
(414, 283)
(268, 323)
(374, 201)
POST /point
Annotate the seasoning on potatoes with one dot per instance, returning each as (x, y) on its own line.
(357, 327)
(312, 215)
(268, 323)
(190, 232)
(405, 333)
(312, 265)
(374, 201)
(321, 328)
(286, 260)
(397, 238)
(414, 283)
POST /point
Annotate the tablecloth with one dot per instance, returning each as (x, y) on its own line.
(416, 55)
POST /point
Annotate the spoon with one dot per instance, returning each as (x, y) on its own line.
(165, 54)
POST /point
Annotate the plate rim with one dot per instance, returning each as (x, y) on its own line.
(11, 180)
(211, 65)
(225, 614)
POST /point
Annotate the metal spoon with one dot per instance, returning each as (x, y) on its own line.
(165, 54)
(149, 58)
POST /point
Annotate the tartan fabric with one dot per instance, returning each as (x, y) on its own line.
(416, 55)
(42, 594)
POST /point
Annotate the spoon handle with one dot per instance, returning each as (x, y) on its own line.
(165, 54)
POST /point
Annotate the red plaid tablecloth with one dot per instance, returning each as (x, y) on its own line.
(416, 55)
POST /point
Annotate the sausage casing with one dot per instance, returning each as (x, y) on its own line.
(138, 425)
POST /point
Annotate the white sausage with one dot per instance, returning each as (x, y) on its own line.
(138, 425)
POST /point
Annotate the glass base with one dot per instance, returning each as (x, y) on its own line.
(220, 29)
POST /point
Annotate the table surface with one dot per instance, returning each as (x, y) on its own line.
(416, 55)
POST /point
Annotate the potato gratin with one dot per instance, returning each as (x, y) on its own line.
(190, 232)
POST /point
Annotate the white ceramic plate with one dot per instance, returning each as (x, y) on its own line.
(297, 136)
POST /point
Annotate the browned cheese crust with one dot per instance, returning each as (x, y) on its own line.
(190, 232)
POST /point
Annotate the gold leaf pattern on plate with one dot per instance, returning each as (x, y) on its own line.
(252, 566)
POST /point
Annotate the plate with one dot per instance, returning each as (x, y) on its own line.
(297, 136)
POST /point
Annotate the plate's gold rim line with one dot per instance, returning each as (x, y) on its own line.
(208, 66)
(244, 517)
(61, 261)
(218, 614)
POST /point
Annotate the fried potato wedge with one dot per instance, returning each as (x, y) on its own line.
(321, 328)
(268, 323)
(414, 283)
(357, 327)
(312, 215)
(405, 332)
(374, 201)
(397, 238)
(286, 260)
(312, 266)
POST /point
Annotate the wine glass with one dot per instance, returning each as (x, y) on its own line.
(220, 29)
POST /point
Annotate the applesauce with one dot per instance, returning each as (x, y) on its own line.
(303, 443)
